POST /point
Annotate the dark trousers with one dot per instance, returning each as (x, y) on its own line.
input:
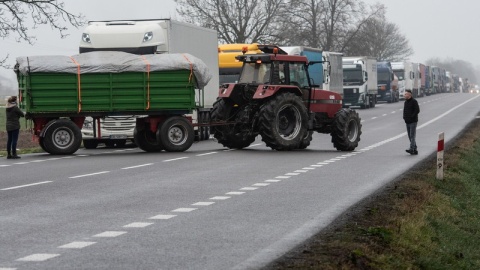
(12, 140)
(412, 132)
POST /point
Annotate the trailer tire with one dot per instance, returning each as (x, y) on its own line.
(90, 144)
(346, 130)
(146, 140)
(231, 136)
(283, 122)
(42, 144)
(176, 134)
(62, 137)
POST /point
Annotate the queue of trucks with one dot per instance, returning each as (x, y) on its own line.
(174, 89)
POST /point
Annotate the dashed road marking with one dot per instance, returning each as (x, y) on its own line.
(29, 185)
(249, 188)
(292, 174)
(163, 217)
(138, 225)
(174, 159)
(137, 166)
(77, 245)
(301, 171)
(220, 198)
(40, 257)
(184, 210)
(308, 168)
(203, 203)
(89, 174)
(5, 166)
(205, 154)
(282, 177)
(273, 180)
(235, 193)
(260, 184)
(110, 234)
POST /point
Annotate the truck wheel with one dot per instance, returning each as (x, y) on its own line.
(90, 144)
(146, 140)
(62, 137)
(176, 134)
(306, 141)
(373, 101)
(42, 144)
(283, 122)
(346, 130)
(233, 136)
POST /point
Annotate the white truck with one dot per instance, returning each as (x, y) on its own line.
(405, 74)
(359, 81)
(416, 80)
(160, 36)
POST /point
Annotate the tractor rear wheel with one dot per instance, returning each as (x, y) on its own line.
(306, 141)
(234, 136)
(346, 130)
(283, 122)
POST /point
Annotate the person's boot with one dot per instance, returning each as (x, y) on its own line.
(14, 154)
(9, 155)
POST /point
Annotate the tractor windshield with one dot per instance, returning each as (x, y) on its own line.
(255, 73)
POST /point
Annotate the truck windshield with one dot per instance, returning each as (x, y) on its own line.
(352, 75)
(400, 74)
(255, 73)
(383, 76)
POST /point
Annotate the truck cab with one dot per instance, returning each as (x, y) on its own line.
(387, 83)
(404, 72)
(359, 82)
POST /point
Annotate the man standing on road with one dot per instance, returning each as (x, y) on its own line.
(410, 115)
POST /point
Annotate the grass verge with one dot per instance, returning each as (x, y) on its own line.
(418, 222)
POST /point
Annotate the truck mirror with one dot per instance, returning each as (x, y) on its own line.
(365, 76)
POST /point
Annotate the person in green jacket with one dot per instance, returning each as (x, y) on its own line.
(13, 126)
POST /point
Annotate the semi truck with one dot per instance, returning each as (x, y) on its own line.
(422, 79)
(59, 92)
(387, 83)
(405, 75)
(144, 37)
(359, 81)
(428, 81)
(416, 80)
(276, 98)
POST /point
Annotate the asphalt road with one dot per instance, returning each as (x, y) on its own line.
(208, 207)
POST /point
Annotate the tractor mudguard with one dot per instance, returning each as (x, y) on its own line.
(265, 90)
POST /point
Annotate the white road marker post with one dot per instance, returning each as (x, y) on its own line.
(440, 148)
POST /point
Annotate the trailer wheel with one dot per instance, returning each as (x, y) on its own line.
(62, 137)
(90, 144)
(146, 140)
(176, 134)
(233, 136)
(42, 144)
(283, 122)
(346, 130)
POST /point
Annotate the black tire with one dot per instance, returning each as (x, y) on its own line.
(233, 136)
(146, 140)
(90, 144)
(346, 130)
(62, 137)
(283, 122)
(372, 101)
(306, 141)
(176, 134)
(42, 144)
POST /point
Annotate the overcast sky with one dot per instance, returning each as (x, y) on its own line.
(434, 28)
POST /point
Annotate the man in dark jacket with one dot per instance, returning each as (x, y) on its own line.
(13, 127)
(410, 115)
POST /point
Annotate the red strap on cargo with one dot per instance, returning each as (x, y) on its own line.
(191, 68)
(79, 88)
(148, 81)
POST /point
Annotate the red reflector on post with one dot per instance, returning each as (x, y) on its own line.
(441, 145)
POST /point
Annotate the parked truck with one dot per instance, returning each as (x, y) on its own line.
(144, 37)
(59, 92)
(404, 72)
(277, 99)
(387, 83)
(359, 81)
(422, 80)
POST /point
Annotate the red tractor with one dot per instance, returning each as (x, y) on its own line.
(276, 99)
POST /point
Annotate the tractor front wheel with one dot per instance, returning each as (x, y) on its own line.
(346, 130)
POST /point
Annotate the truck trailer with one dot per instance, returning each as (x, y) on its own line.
(144, 37)
(405, 75)
(359, 81)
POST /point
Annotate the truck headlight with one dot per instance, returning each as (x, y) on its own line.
(86, 38)
(148, 36)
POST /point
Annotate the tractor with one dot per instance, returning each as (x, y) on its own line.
(276, 99)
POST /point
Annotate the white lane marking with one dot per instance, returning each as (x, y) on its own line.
(261, 184)
(86, 175)
(301, 171)
(341, 157)
(315, 165)
(54, 158)
(83, 155)
(323, 163)
(282, 177)
(138, 225)
(273, 180)
(21, 163)
(110, 234)
(292, 174)
(220, 198)
(40, 257)
(163, 217)
(5, 166)
(330, 161)
(68, 157)
(29, 185)
(137, 166)
(184, 210)
(384, 114)
(308, 168)
(335, 159)
(228, 150)
(235, 193)
(174, 159)
(205, 154)
(249, 188)
(78, 245)
(253, 145)
(394, 112)
(202, 203)
(374, 117)
(38, 160)
(3, 268)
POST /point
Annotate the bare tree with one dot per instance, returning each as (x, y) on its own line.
(236, 21)
(16, 16)
(380, 39)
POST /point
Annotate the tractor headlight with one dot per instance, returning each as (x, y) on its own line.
(148, 36)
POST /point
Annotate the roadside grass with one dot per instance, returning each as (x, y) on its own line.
(418, 222)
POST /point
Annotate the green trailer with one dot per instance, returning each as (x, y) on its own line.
(58, 92)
